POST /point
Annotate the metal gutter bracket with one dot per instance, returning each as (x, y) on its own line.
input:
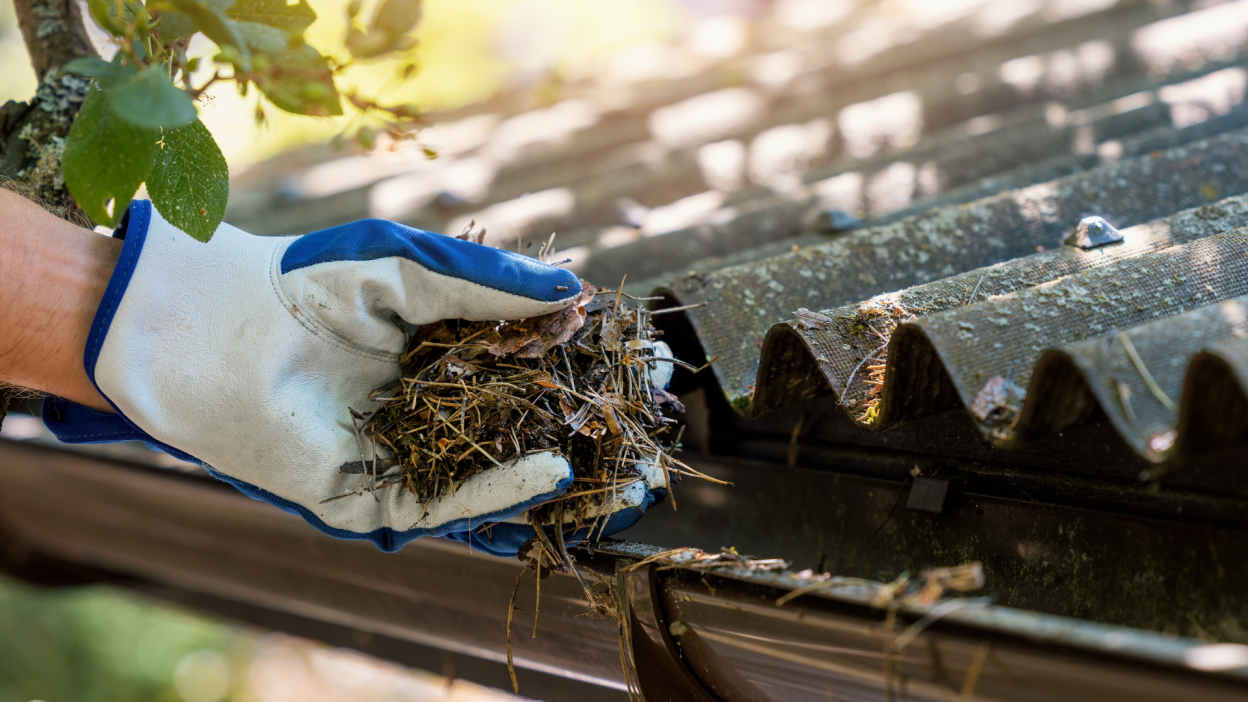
(928, 495)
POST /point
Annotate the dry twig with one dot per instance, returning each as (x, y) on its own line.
(476, 395)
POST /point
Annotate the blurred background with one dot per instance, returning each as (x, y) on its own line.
(468, 50)
(613, 122)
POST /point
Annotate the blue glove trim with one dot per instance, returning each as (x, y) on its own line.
(72, 423)
(386, 539)
(373, 239)
(132, 231)
(505, 539)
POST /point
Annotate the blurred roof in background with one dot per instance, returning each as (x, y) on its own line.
(910, 169)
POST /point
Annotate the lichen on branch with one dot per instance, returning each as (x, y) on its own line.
(33, 133)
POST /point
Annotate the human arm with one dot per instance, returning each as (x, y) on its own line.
(52, 276)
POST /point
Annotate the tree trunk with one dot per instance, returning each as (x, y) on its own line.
(32, 134)
(54, 33)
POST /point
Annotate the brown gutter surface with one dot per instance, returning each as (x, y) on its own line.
(735, 643)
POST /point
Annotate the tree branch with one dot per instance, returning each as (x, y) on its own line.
(54, 33)
(32, 134)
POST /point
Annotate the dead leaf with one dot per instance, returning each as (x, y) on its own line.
(540, 334)
(468, 234)
(613, 424)
(664, 397)
(457, 367)
(566, 408)
(962, 578)
(998, 403)
(611, 334)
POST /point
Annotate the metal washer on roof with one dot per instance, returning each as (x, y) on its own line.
(1092, 232)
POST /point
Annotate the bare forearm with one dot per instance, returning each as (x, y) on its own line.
(52, 278)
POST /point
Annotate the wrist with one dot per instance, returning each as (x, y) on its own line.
(52, 277)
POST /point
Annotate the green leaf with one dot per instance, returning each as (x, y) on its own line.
(275, 13)
(263, 39)
(306, 58)
(210, 20)
(96, 67)
(368, 45)
(105, 13)
(106, 158)
(150, 99)
(302, 96)
(190, 181)
(175, 25)
(301, 82)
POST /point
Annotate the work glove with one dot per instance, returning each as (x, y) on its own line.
(618, 510)
(244, 354)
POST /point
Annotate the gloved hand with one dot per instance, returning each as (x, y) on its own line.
(245, 353)
(619, 510)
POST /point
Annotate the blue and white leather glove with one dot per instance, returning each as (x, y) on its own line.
(619, 511)
(245, 353)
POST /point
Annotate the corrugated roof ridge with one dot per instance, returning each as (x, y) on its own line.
(1131, 375)
(861, 329)
(1118, 18)
(980, 355)
(746, 300)
(1214, 410)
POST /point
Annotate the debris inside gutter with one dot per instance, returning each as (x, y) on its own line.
(697, 560)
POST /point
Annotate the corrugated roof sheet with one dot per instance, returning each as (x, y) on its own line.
(968, 141)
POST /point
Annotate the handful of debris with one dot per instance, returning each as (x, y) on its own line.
(474, 395)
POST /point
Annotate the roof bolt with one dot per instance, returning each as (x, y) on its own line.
(836, 221)
(1092, 232)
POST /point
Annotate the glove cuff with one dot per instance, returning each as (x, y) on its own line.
(72, 423)
(133, 233)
